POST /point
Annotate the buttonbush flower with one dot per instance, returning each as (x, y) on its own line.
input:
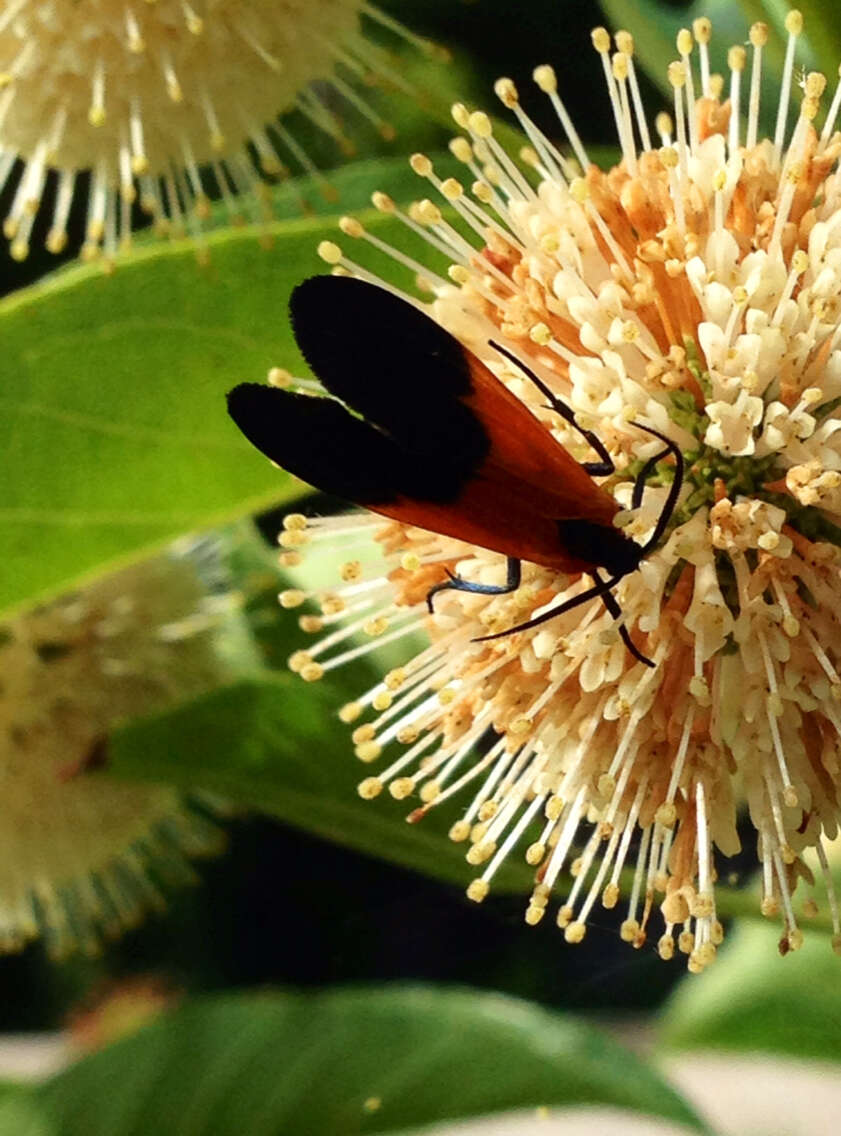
(162, 103)
(694, 287)
(82, 855)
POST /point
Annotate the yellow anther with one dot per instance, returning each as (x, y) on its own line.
(458, 274)
(461, 150)
(702, 29)
(719, 180)
(351, 570)
(575, 932)
(737, 58)
(369, 788)
(395, 678)
(56, 241)
(579, 190)
(429, 792)
(452, 189)
(666, 814)
(540, 333)
(382, 201)
(759, 34)
(668, 157)
(292, 597)
(553, 808)
(629, 930)
(620, 66)
(480, 853)
(791, 626)
(381, 701)
(329, 252)
(401, 788)
(461, 115)
(600, 40)
(482, 192)
(564, 916)
(666, 947)
(478, 890)
(279, 377)
(421, 164)
(480, 124)
(677, 74)
(96, 116)
(506, 92)
(624, 42)
(546, 79)
(297, 660)
(368, 751)
(459, 831)
(794, 22)
(815, 84)
(610, 896)
(351, 227)
(375, 626)
(534, 914)
(663, 125)
(428, 212)
(312, 672)
(350, 712)
(685, 42)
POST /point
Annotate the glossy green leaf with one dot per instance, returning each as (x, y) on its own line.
(273, 744)
(345, 1062)
(21, 1114)
(112, 416)
(754, 1000)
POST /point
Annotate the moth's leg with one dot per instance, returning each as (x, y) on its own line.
(602, 468)
(512, 582)
(610, 602)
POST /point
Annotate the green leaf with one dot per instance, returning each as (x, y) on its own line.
(752, 1000)
(21, 1114)
(345, 1062)
(113, 427)
(272, 744)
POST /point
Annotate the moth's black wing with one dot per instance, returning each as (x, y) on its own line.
(323, 444)
(395, 366)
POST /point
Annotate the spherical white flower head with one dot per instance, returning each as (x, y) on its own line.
(693, 288)
(83, 855)
(151, 97)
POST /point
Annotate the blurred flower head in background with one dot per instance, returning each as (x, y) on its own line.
(171, 104)
(694, 287)
(83, 856)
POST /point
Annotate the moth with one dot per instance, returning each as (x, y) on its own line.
(420, 430)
